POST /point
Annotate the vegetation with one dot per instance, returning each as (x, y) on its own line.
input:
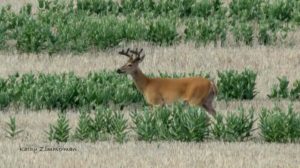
(60, 132)
(235, 127)
(281, 90)
(58, 26)
(12, 129)
(171, 123)
(277, 125)
(180, 123)
(105, 123)
(234, 85)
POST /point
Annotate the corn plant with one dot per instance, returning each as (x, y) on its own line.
(191, 124)
(280, 90)
(243, 32)
(171, 123)
(276, 125)
(234, 127)
(246, 9)
(118, 127)
(60, 132)
(138, 7)
(100, 7)
(205, 31)
(83, 129)
(12, 130)
(282, 9)
(162, 31)
(32, 36)
(207, 8)
(234, 85)
(104, 124)
(295, 91)
(5, 98)
(145, 125)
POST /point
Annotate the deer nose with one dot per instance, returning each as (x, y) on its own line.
(119, 71)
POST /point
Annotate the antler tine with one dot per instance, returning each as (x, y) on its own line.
(141, 52)
(136, 52)
(125, 53)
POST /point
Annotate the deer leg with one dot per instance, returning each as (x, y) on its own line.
(209, 109)
(207, 104)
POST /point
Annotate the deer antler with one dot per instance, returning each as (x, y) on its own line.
(126, 53)
(138, 54)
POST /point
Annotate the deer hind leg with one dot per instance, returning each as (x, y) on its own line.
(207, 104)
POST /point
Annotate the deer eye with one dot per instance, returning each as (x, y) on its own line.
(130, 65)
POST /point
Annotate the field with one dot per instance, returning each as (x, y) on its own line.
(268, 61)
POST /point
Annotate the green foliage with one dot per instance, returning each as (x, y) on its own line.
(206, 8)
(282, 9)
(243, 32)
(168, 123)
(281, 90)
(162, 31)
(64, 91)
(246, 9)
(295, 91)
(84, 127)
(100, 7)
(234, 85)
(32, 36)
(11, 129)
(189, 124)
(60, 132)
(204, 31)
(145, 125)
(271, 30)
(137, 7)
(105, 123)
(5, 97)
(118, 127)
(235, 126)
(58, 26)
(277, 125)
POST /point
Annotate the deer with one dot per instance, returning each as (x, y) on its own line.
(194, 91)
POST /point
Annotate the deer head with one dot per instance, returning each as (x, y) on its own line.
(134, 59)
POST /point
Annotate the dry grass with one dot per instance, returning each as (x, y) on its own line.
(140, 154)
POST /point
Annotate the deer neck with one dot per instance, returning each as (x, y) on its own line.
(140, 80)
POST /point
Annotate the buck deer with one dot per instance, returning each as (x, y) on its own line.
(160, 91)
